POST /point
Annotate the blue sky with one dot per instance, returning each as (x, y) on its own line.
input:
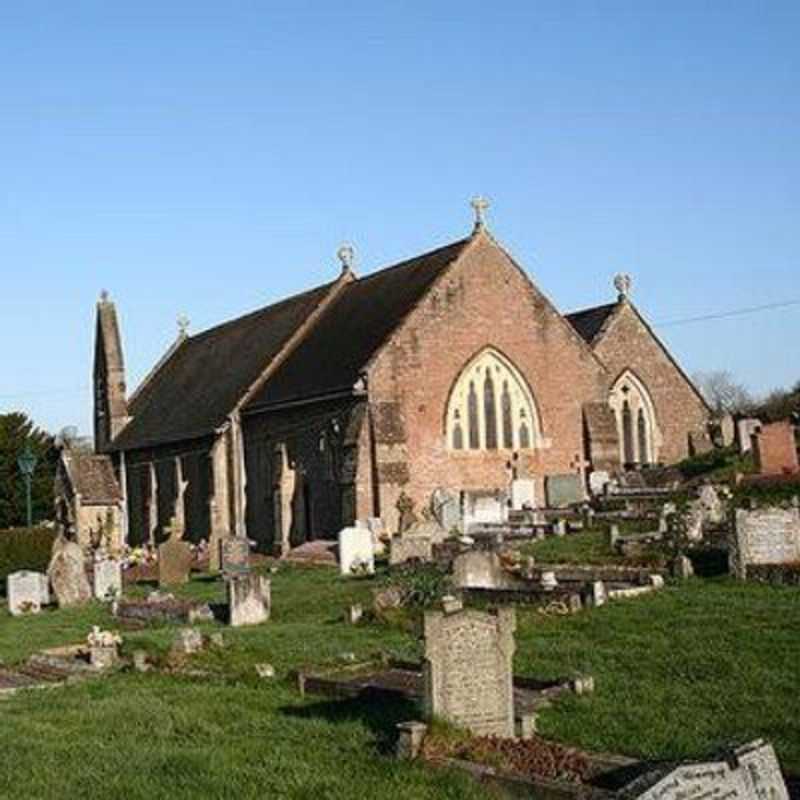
(208, 158)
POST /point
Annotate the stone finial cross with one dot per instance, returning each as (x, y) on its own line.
(622, 283)
(183, 325)
(346, 254)
(479, 206)
(104, 296)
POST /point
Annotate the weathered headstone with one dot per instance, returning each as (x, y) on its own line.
(445, 507)
(764, 536)
(712, 505)
(410, 548)
(356, 551)
(27, 592)
(597, 595)
(235, 556)
(727, 430)
(750, 772)
(563, 490)
(107, 579)
(483, 508)
(598, 480)
(523, 493)
(479, 569)
(468, 669)
(67, 573)
(249, 599)
(745, 429)
(174, 558)
(405, 512)
(776, 449)
(560, 527)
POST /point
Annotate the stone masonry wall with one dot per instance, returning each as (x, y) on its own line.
(628, 344)
(482, 301)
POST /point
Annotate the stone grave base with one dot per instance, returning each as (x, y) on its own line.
(181, 612)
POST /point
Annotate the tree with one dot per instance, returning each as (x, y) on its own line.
(17, 430)
(779, 404)
(722, 393)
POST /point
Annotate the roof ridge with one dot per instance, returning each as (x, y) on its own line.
(407, 261)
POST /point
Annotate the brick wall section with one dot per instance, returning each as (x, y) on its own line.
(483, 300)
(629, 344)
(776, 450)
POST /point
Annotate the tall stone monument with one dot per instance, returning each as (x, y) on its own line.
(468, 669)
(67, 573)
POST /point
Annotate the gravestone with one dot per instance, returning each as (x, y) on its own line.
(405, 512)
(560, 528)
(174, 558)
(356, 551)
(468, 669)
(598, 480)
(764, 536)
(523, 493)
(745, 429)
(27, 592)
(479, 569)
(563, 490)
(410, 548)
(750, 772)
(483, 507)
(776, 449)
(712, 505)
(249, 599)
(67, 574)
(445, 507)
(235, 556)
(107, 579)
(727, 430)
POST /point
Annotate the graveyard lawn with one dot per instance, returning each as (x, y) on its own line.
(591, 547)
(678, 673)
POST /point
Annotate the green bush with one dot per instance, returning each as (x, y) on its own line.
(21, 548)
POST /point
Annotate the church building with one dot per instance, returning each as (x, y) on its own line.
(437, 373)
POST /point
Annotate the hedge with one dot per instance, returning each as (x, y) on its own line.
(21, 548)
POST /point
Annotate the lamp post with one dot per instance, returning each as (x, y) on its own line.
(27, 464)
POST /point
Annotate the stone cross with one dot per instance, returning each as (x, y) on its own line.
(479, 206)
(345, 254)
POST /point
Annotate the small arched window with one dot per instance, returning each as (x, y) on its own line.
(641, 433)
(499, 409)
(627, 434)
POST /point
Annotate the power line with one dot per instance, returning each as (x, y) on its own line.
(737, 312)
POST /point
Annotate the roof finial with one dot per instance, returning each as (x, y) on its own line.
(479, 205)
(183, 326)
(346, 253)
(104, 296)
(622, 283)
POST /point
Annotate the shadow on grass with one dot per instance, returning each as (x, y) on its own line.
(709, 562)
(379, 711)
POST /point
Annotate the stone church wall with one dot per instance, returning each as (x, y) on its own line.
(196, 467)
(310, 453)
(628, 344)
(483, 301)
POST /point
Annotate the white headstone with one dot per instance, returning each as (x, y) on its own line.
(598, 480)
(523, 493)
(27, 592)
(356, 551)
(107, 579)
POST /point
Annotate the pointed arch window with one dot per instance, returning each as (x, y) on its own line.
(494, 399)
(474, 433)
(490, 411)
(639, 436)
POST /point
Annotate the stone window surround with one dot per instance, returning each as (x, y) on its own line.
(523, 405)
(639, 400)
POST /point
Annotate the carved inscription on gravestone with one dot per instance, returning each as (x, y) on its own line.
(468, 669)
(235, 556)
(764, 536)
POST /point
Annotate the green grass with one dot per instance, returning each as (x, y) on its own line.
(677, 673)
(586, 547)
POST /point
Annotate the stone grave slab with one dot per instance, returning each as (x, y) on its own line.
(249, 599)
(235, 556)
(523, 493)
(563, 490)
(107, 579)
(67, 573)
(356, 551)
(764, 536)
(410, 548)
(26, 592)
(174, 562)
(468, 673)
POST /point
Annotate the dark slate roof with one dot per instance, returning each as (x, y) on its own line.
(93, 478)
(200, 383)
(336, 350)
(589, 322)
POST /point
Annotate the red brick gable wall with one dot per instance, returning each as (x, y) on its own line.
(627, 343)
(483, 300)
